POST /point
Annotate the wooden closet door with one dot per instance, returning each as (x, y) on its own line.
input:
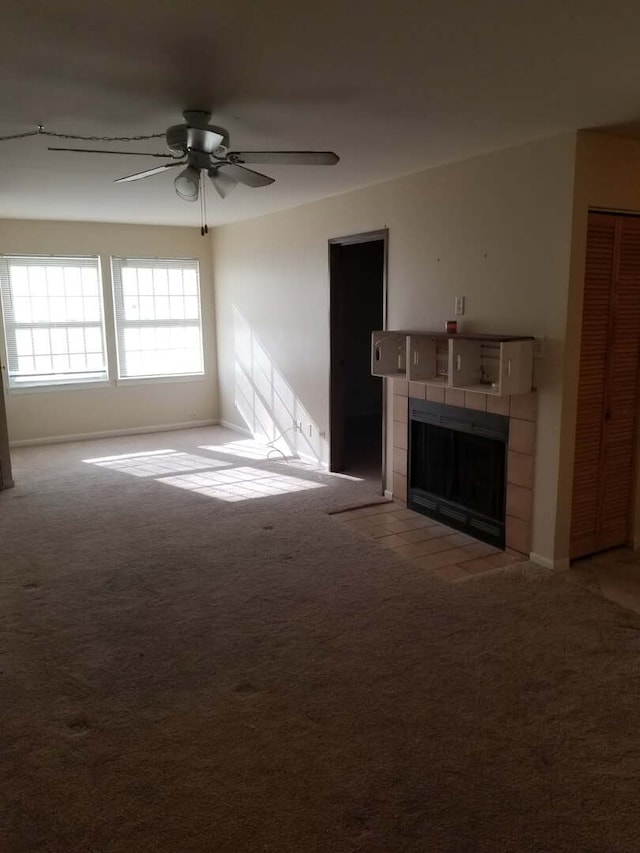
(604, 467)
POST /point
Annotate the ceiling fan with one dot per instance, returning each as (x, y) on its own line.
(203, 149)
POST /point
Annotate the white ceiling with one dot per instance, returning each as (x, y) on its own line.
(392, 87)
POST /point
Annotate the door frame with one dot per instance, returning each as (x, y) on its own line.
(335, 422)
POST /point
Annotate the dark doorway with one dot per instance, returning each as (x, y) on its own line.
(357, 267)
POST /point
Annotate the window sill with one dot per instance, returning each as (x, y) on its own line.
(62, 386)
(161, 380)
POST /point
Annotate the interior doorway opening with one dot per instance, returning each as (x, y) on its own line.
(357, 266)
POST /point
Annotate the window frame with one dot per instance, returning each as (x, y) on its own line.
(80, 380)
(117, 264)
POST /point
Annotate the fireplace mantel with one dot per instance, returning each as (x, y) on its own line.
(495, 365)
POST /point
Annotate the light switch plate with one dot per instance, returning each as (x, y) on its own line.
(459, 306)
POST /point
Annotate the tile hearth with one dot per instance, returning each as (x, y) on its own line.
(441, 551)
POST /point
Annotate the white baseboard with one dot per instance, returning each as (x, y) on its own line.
(111, 433)
(304, 457)
(547, 563)
(313, 460)
(235, 427)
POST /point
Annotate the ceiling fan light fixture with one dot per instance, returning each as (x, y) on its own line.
(187, 184)
(223, 183)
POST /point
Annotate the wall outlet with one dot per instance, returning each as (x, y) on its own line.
(458, 307)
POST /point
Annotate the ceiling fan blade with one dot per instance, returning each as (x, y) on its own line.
(101, 151)
(148, 172)
(245, 176)
(222, 183)
(288, 158)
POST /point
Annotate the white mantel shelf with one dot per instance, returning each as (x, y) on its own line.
(497, 365)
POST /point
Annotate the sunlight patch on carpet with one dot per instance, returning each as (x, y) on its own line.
(240, 484)
(249, 449)
(156, 463)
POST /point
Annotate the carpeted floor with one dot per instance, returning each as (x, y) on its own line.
(209, 670)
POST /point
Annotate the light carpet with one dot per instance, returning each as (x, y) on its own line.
(184, 671)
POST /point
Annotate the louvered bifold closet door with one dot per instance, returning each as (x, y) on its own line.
(608, 386)
(591, 382)
(620, 415)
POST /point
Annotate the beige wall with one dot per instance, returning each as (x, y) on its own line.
(496, 229)
(37, 415)
(607, 177)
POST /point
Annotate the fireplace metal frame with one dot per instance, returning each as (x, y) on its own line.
(449, 512)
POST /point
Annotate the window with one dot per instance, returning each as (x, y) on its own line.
(53, 320)
(157, 313)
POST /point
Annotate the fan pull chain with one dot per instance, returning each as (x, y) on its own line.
(204, 228)
(204, 201)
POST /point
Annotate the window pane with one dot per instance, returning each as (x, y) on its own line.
(53, 314)
(176, 304)
(145, 282)
(131, 307)
(161, 282)
(191, 308)
(90, 282)
(92, 308)
(76, 340)
(57, 309)
(190, 280)
(163, 310)
(73, 282)
(75, 309)
(22, 309)
(24, 342)
(39, 309)
(55, 281)
(147, 308)
(157, 318)
(37, 281)
(59, 342)
(175, 281)
(41, 342)
(93, 340)
(78, 362)
(60, 363)
(26, 365)
(20, 281)
(43, 364)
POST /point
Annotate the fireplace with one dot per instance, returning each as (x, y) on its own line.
(457, 468)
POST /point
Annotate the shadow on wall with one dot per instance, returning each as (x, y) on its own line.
(268, 404)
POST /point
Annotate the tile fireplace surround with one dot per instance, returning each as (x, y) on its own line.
(521, 411)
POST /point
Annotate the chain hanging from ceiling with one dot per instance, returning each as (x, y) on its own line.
(40, 131)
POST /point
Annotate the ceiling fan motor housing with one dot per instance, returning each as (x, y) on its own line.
(210, 139)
